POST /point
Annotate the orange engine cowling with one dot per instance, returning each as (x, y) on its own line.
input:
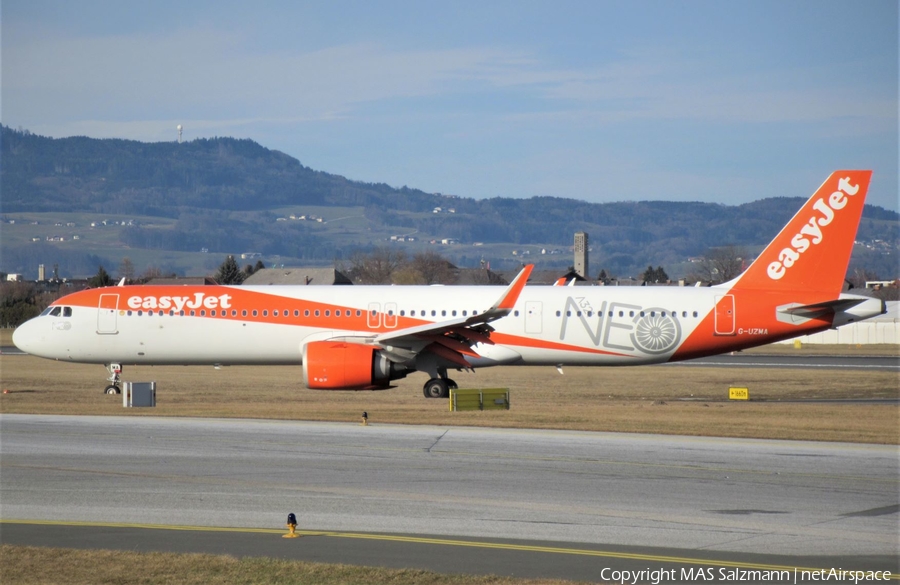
(337, 365)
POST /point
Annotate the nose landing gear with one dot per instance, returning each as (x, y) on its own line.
(114, 371)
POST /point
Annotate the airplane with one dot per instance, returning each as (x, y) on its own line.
(365, 337)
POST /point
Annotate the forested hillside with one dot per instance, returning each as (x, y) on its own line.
(226, 195)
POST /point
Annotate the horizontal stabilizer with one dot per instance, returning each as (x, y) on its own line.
(815, 309)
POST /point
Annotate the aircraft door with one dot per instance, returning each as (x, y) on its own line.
(725, 318)
(106, 314)
(373, 316)
(533, 318)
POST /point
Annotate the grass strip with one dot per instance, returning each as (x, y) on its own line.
(29, 565)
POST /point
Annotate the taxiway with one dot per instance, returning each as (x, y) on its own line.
(392, 493)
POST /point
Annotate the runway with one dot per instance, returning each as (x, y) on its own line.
(827, 362)
(470, 500)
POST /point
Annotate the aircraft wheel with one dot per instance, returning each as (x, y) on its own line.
(435, 388)
(452, 385)
(112, 390)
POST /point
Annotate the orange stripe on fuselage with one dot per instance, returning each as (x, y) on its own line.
(517, 341)
(237, 300)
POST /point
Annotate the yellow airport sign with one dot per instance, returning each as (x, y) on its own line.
(479, 399)
(735, 393)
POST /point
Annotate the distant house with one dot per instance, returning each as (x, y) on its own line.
(479, 276)
(302, 276)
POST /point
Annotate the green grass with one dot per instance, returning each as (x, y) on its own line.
(27, 565)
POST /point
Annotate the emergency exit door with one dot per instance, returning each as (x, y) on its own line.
(533, 318)
(106, 314)
(725, 320)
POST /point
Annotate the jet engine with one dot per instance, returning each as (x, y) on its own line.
(338, 365)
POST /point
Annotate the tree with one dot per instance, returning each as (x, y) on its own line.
(251, 269)
(19, 302)
(655, 275)
(126, 269)
(100, 279)
(722, 264)
(229, 273)
(434, 268)
(378, 267)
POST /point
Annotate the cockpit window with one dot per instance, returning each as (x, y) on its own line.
(67, 311)
(46, 311)
(55, 311)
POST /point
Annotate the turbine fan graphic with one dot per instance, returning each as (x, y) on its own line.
(656, 332)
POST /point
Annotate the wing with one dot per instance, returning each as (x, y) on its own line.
(453, 340)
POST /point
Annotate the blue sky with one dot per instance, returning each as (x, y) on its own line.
(602, 101)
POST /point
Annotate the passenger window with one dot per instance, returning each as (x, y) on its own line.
(202, 313)
(443, 313)
(558, 314)
(296, 313)
(328, 313)
(465, 313)
(306, 313)
(317, 312)
(453, 313)
(192, 313)
(358, 312)
(631, 313)
(578, 313)
(67, 311)
(244, 313)
(402, 313)
(266, 313)
(433, 313)
(516, 313)
(695, 313)
(275, 313)
(255, 312)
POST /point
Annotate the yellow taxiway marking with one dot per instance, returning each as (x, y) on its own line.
(443, 542)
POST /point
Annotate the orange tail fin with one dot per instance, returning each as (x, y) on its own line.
(812, 251)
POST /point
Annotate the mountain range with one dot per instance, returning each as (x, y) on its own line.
(183, 207)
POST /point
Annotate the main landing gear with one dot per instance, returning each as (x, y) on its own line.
(114, 371)
(438, 387)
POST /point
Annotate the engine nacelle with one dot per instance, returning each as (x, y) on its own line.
(337, 365)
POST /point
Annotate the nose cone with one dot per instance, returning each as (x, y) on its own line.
(27, 336)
